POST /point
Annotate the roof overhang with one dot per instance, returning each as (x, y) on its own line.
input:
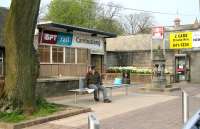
(71, 28)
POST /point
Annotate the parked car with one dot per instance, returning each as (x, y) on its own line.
(193, 122)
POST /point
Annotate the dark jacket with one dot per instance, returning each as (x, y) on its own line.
(93, 78)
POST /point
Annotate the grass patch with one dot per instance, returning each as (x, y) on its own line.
(43, 109)
(13, 117)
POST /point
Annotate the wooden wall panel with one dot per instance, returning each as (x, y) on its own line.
(48, 70)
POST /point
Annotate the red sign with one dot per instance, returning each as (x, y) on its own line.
(49, 37)
(157, 33)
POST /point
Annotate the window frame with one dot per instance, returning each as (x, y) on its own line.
(52, 55)
(2, 63)
(64, 52)
(49, 55)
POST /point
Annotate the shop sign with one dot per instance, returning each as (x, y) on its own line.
(181, 40)
(196, 39)
(49, 37)
(157, 32)
(95, 44)
(87, 40)
(64, 39)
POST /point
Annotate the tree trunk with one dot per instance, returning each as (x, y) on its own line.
(21, 56)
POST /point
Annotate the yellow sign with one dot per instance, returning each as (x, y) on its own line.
(180, 40)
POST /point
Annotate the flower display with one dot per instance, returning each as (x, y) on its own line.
(131, 69)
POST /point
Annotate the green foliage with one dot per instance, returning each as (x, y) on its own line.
(43, 109)
(12, 117)
(72, 12)
(135, 70)
(109, 25)
(85, 14)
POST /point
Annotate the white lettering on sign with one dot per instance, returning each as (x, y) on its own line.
(88, 41)
(49, 37)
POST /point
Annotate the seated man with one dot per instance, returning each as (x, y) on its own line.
(93, 81)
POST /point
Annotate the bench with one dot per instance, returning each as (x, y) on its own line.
(81, 91)
(115, 86)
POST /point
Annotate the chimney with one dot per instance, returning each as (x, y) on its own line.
(177, 22)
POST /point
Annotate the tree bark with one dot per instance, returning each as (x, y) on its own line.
(21, 56)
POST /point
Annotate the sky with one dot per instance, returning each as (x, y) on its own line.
(186, 10)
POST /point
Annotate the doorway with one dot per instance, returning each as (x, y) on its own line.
(182, 67)
(98, 61)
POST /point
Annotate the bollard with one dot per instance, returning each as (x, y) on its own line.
(185, 106)
(93, 122)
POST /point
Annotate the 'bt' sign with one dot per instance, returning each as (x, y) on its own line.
(49, 37)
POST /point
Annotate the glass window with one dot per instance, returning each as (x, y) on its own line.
(69, 55)
(57, 54)
(44, 52)
(82, 55)
(1, 62)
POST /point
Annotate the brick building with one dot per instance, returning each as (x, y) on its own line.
(135, 50)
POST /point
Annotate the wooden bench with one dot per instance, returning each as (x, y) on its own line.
(81, 91)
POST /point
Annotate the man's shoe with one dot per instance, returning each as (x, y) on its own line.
(96, 99)
(107, 101)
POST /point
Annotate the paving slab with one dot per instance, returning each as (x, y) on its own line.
(121, 105)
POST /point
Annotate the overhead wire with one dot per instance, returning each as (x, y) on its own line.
(138, 10)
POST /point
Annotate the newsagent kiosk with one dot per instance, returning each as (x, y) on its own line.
(66, 50)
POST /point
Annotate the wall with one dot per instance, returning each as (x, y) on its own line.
(48, 70)
(56, 88)
(140, 78)
(195, 67)
(138, 59)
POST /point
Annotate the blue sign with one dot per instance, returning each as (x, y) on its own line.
(64, 39)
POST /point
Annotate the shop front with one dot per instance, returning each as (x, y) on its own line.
(66, 50)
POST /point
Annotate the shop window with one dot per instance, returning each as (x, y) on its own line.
(44, 54)
(69, 55)
(57, 55)
(1, 63)
(82, 55)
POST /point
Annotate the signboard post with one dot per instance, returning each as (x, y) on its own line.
(157, 34)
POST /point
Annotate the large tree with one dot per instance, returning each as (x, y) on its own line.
(73, 12)
(138, 23)
(108, 18)
(21, 57)
(86, 13)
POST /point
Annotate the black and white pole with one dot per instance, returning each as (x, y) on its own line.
(185, 106)
(93, 122)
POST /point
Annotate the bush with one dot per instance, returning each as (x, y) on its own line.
(136, 70)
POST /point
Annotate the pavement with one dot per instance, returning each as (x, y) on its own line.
(137, 110)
